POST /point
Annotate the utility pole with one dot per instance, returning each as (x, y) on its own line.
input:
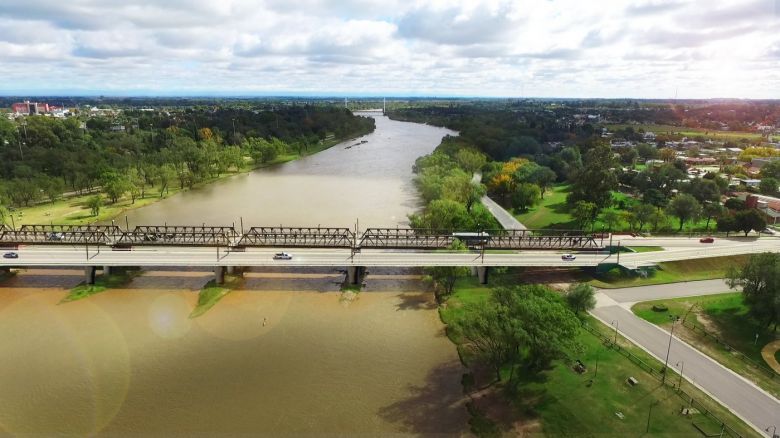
(615, 323)
(669, 347)
(680, 365)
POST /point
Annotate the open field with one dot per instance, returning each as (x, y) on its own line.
(725, 316)
(691, 132)
(670, 272)
(562, 402)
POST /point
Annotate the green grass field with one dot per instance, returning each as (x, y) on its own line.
(566, 403)
(692, 132)
(119, 278)
(726, 316)
(670, 272)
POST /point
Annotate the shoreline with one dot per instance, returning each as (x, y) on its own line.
(72, 210)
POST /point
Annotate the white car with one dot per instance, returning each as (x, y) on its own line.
(568, 257)
(282, 256)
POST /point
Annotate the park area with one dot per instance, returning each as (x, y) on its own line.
(720, 327)
(589, 392)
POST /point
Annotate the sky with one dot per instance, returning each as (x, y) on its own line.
(490, 48)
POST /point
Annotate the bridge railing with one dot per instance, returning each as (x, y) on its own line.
(536, 239)
(402, 238)
(93, 237)
(178, 235)
(297, 237)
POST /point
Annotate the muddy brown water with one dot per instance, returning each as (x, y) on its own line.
(285, 353)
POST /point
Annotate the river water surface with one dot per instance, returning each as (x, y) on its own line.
(284, 353)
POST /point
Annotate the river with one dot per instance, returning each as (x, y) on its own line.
(284, 353)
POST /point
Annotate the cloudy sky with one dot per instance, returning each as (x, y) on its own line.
(542, 48)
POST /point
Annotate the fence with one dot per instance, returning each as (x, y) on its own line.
(736, 353)
(725, 429)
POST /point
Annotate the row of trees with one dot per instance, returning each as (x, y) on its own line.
(46, 157)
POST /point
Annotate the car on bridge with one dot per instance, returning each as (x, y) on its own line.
(568, 257)
(282, 256)
(10, 255)
(706, 240)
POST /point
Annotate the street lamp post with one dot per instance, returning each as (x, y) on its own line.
(681, 366)
(615, 323)
(669, 347)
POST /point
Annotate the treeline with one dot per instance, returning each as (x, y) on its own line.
(42, 157)
(602, 186)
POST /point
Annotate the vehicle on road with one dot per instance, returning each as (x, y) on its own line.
(706, 240)
(10, 255)
(282, 256)
(568, 257)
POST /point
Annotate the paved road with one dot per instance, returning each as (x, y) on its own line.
(746, 400)
(507, 221)
(675, 290)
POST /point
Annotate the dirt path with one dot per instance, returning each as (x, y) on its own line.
(768, 353)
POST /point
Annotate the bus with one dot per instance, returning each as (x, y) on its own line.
(472, 240)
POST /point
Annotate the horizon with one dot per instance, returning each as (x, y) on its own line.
(643, 49)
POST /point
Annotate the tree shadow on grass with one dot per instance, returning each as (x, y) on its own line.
(436, 407)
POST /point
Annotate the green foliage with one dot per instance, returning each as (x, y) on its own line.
(749, 220)
(760, 283)
(771, 170)
(581, 297)
(585, 213)
(521, 325)
(684, 207)
(470, 160)
(525, 195)
(94, 203)
(769, 186)
(596, 181)
(444, 277)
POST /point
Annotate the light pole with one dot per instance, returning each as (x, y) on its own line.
(669, 347)
(615, 323)
(681, 366)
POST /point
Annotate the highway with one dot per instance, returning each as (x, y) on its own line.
(678, 249)
(743, 398)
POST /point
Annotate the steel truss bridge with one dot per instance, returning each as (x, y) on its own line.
(293, 237)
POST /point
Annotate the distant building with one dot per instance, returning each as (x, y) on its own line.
(750, 182)
(32, 108)
(649, 136)
(768, 205)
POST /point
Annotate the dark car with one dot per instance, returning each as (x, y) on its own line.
(10, 255)
(706, 240)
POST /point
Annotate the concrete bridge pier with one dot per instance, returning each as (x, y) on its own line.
(106, 270)
(474, 271)
(482, 273)
(219, 274)
(89, 274)
(354, 274)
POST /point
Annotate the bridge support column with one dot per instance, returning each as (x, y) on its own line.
(482, 273)
(354, 274)
(474, 271)
(106, 270)
(219, 274)
(89, 274)
(231, 270)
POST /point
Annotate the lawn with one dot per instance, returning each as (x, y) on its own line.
(551, 212)
(725, 316)
(692, 132)
(211, 293)
(669, 272)
(566, 403)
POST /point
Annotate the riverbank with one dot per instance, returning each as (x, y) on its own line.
(74, 210)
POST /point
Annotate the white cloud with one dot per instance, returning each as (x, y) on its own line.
(645, 48)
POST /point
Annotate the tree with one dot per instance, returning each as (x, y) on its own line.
(166, 174)
(642, 214)
(760, 283)
(458, 186)
(712, 210)
(610, 218)
(726, 223)
(596, 181)
(684, 207)
(585, 213)
(667, 154)
(769, 186)
(525, 195)
(94, 203)
(470, 160)
(771, 170)
(543, 177)
(115, 185)
(748, 220)
(484, 329)
(444, 277)
(443, 214)
(581, 297)
(704, 190)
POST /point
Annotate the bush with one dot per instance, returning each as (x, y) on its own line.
(660, 308)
